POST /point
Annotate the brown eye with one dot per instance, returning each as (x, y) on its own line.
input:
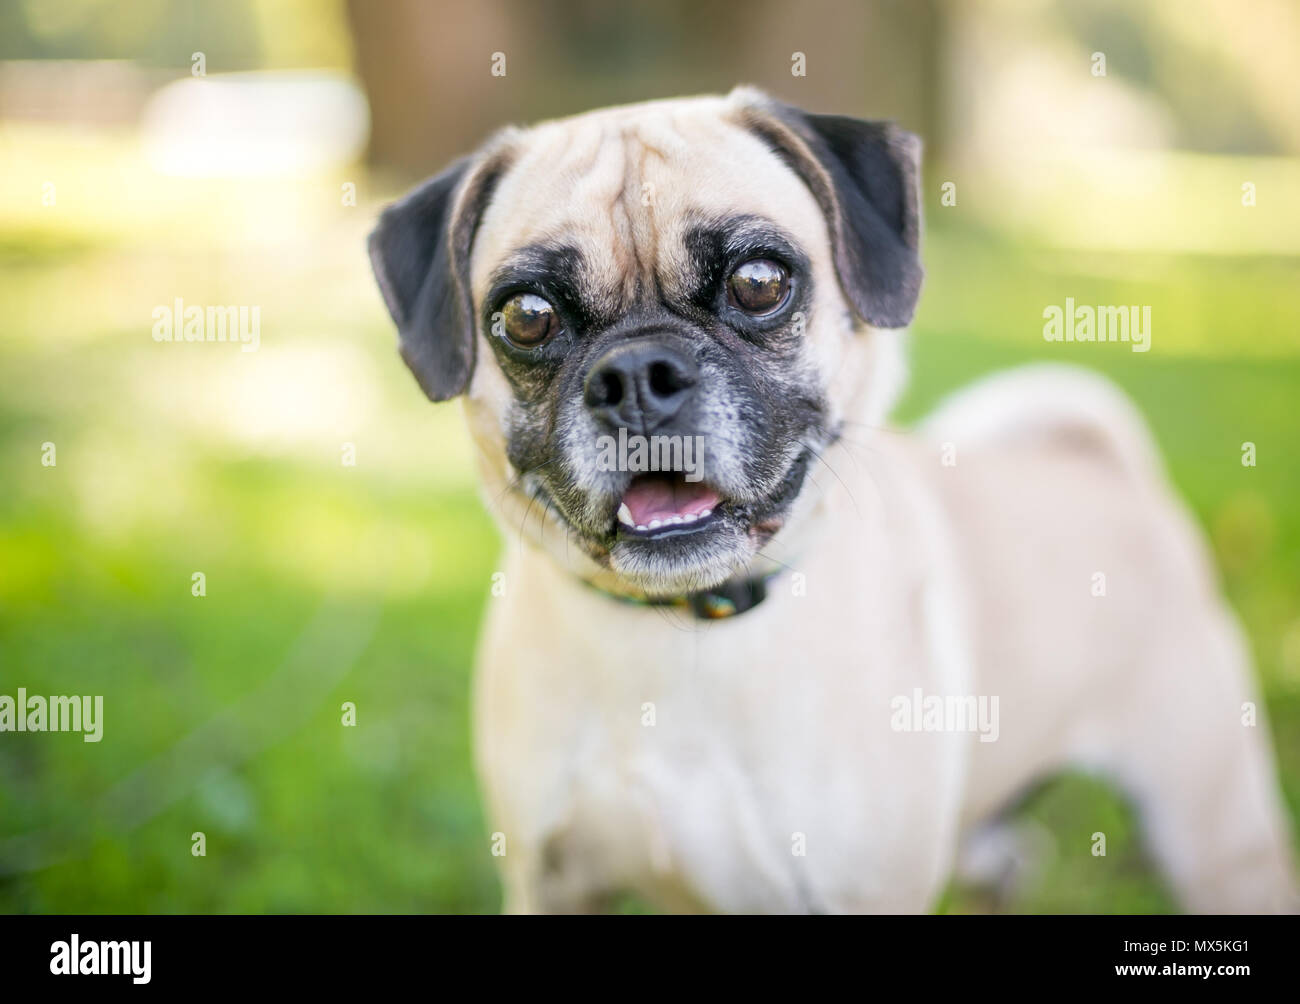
(528, 320)
(758, 286)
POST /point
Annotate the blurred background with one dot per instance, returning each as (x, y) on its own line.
(237, 153)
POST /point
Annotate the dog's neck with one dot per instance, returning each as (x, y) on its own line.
(730, 599)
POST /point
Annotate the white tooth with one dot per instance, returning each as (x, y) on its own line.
(625, 515)
(642, 528)
(655, 524)
(706, 512)
(689, 518)
(674, 520)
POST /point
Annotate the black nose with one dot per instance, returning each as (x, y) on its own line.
(640, 385)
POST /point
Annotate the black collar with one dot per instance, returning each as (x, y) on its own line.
(732, 598)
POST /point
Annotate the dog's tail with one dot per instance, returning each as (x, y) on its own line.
(1050, 403)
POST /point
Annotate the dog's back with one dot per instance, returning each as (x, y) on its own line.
(1089, 581)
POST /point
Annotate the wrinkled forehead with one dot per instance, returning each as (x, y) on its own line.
(624, 188)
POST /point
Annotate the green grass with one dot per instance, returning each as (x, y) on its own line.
(328, 584)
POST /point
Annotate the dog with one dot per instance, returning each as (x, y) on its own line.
(767, 687)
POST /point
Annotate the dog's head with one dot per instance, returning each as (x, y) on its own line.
(659, 315)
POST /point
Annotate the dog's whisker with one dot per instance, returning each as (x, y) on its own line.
(891, 429)
(825, 463)
(515, 482)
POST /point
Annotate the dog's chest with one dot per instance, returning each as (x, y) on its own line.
(739, 766)
(673, 790)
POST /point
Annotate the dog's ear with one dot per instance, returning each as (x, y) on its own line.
(866, 178)
(420, 253)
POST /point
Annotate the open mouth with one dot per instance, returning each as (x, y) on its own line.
(660, 505)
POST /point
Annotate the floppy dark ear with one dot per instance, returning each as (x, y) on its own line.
(866, 176)
(420, 254)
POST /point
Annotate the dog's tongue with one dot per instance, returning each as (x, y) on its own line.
(652, 496)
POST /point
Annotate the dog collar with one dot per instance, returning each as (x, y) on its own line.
(732, 598)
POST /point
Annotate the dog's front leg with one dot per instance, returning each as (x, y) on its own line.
(546, 882)
(520, 893)
(530, 804)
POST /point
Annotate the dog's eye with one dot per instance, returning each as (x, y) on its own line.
(528, 320)
(758, 286)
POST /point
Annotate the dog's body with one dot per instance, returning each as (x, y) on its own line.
(732, 267)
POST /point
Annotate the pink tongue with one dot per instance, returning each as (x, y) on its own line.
(656, 497)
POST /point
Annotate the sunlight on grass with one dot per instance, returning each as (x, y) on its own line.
(1141, 201)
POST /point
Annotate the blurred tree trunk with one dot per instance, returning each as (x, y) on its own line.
(427, 64)
(425, 68)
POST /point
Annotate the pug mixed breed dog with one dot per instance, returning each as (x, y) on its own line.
(754, 690)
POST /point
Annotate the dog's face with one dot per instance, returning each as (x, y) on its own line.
(702, 280)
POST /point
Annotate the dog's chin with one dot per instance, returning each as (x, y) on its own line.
(668, 536)
(683, 558)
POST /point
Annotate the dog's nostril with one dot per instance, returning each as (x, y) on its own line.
(664, 380)
(611, 388)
